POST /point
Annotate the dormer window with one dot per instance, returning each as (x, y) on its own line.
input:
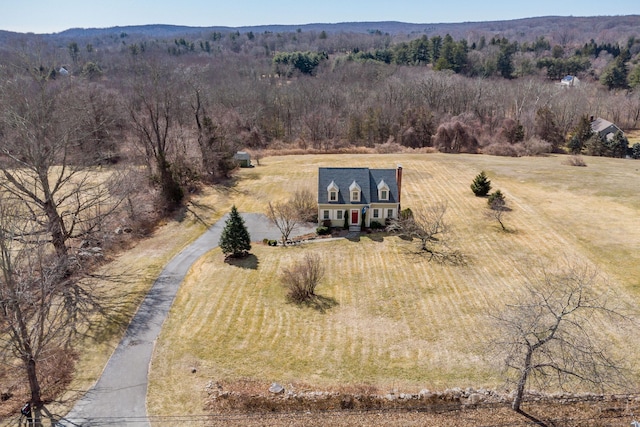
(383, 190)
(355, 190)
(332, 191)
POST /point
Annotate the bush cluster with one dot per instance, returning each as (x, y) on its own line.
(302, 278)
(323, 231)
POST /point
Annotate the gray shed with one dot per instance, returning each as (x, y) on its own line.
(243, 158)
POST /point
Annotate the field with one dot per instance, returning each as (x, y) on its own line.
(394, 320)
(633, 136)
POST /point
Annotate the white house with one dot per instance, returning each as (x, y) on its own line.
(358, 196)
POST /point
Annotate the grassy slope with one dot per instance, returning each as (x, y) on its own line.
(399, 321)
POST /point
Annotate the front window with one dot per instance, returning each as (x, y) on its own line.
(338, 214)
(389, 213)
(384, 195)
(355, 196)
(325, 215)
(333, 196)
(376, 213)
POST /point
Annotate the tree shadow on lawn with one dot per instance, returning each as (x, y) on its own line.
(249, 262)
(376, 236)
(195, 210)
(320, 303)
(508, 230)
(353, 237)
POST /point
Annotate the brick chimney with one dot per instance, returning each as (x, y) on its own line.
(399, 182)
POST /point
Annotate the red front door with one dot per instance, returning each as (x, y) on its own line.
(354, 217)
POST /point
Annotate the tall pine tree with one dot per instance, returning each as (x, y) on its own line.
(234, 240)
(481, 185)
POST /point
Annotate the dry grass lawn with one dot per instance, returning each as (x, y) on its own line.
(395, 321)
(633, 136)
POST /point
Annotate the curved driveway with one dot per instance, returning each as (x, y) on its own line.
(119, 396)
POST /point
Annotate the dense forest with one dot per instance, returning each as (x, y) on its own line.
(183, 100)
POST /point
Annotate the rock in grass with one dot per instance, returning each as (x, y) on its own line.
(475, 398)
(276, 388)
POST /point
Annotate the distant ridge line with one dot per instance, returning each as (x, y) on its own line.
(391, 27)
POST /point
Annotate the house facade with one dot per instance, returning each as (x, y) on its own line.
(358, 195)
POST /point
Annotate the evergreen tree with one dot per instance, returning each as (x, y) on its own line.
(581, 135)
(235, 240)
(618, 146)
(436, 45)
(496, 200)
(634, 77)
(505, 61)
(594, 146)
(615, 76)
(547, 128)
(481, 185)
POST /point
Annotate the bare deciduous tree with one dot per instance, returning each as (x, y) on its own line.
(43, 128)
(34, 319)
(216, 148)
(257, 155)
(305, 205)
(284, 216)
(497, 208)
(43, 308)
(429, 227)
(549, 334)
(455, 137)
(156, 109)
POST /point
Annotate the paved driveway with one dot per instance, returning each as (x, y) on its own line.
(119, 396)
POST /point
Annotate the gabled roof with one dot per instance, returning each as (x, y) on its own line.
(367, 179)
(604, 128)
(599, 125)
(355, 186)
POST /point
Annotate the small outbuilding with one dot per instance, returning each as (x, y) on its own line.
(243, 159)
(569, 81)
